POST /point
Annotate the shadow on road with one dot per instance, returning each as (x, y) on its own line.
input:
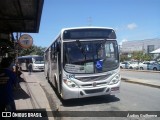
(19, 93)
(90, 100)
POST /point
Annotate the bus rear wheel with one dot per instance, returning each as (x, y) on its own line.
(56, 86)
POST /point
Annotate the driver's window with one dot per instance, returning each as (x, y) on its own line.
(101, 53)
(109, 49)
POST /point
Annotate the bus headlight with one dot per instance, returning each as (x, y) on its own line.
(115, 80)
(70, 83)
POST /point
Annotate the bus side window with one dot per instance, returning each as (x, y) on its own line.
(30, 60)
(27, 61)
(46, 56)
(52, 52)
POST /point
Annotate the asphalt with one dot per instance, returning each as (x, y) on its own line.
(142, 82)
(150, 83)
(31, 96)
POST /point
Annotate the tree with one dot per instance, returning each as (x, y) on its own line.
(137, 55)
(147, 57)
(124, 58)
(140, 56)
(34, 50)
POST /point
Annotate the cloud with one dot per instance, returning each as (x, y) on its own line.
(124, 40)
(132, 26)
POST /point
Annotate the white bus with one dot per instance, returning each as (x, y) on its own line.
(37, 62)
(83, 62)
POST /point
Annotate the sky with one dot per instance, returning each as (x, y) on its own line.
(131, 19)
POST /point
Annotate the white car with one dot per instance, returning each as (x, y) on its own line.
(124, 65)
(149, 66)
(133, 65)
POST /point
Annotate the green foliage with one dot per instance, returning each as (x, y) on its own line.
(34, 50)
(140, 56)
(147, 57)
(137, 55)
(124, 58)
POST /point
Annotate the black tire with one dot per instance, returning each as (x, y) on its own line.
(47, 77)
(141, 68)
(155, 69)
(56, 85)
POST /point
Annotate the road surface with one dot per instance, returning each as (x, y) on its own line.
(133, 74)
(132, 97)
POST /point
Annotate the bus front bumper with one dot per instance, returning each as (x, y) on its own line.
(70, 93)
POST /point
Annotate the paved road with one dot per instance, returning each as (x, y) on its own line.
(140, 75)
(132, 97)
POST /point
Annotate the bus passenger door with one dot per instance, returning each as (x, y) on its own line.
(59, 66)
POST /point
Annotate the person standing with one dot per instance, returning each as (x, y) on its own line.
(30, 68)
(7, 80)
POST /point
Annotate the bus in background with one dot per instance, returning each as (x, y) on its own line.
(83, 62)
(37, 62)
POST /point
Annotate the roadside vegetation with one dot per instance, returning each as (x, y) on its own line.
(34, 50)
(138, 56)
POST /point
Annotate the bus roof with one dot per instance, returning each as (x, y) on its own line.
(28, 56)
(72, 28)
(87, 27)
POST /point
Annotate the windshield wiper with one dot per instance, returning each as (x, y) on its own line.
(81, 49)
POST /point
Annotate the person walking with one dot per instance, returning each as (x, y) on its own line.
(30, 68)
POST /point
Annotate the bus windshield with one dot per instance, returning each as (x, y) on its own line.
(38, 60)
(90, 56)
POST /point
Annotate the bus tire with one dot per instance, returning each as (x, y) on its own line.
(56, 86)
(48, 77)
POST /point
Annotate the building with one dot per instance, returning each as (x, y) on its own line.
(147, 46)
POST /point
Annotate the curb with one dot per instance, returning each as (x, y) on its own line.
(151, 71)
(140, 83)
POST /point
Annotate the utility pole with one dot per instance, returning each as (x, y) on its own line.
(16, 47)
(89, 21)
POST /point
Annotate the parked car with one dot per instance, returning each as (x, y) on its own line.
(144, 65)
(133, 65)
(149, 65)
(124, 65)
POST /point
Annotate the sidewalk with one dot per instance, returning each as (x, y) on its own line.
(150, 83)
(31, 96)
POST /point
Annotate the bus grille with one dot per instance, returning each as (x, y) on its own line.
(93, 78)
(94, 91)
(41, 67)
(91, 85)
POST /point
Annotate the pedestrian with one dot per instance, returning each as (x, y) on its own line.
(8, 79)
(18, 71)
(15, 68)
(12, 66)
(30, 68)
